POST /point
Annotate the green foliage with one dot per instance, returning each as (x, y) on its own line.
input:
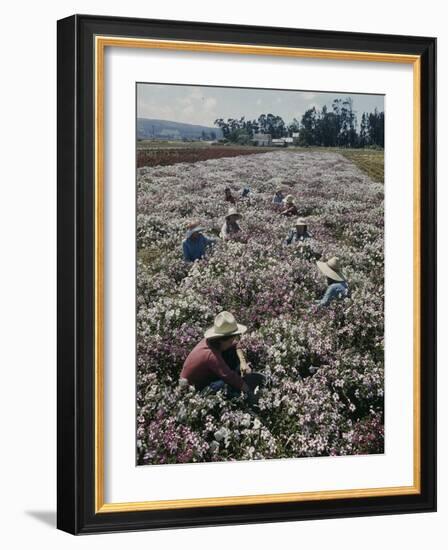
(326, 128)
(370, 160)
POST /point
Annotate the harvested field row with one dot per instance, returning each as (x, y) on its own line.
(166, 157)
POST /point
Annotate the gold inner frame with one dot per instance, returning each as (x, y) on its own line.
(101, 42)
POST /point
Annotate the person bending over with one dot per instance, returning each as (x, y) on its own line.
(337, 286)
(217, 362)
(299, 233)
(228, 197)
(195, 243)
(289, 207)
(230, 228)
(277, 199)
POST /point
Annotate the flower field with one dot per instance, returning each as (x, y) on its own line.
(324, 366)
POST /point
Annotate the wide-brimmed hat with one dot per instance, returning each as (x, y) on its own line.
(300, 221)
(288, 199)
(233, 212)
(331, 269)
(225, 325)
(278, 183)
(193, 227)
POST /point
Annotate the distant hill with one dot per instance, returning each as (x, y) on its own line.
(149, 128)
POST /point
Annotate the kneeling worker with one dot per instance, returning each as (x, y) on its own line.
(231, 229)
(299, 233)
(217, 361)
(289, 208)
(195, 243)
(337, 286)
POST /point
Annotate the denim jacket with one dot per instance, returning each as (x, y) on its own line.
(195, 249)
(293, 238)
(278, 198)
(336, 290)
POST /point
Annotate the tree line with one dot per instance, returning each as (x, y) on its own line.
(335, 127)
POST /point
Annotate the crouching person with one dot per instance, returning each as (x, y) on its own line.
(228, 197)
(299, 233)
(277, 199)
(289, 207)
(231, 229)
(217, 362)
(195, 243)
(337, 285)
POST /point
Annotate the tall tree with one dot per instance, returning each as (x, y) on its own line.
(293, 127)
(224, 126)
(262, 124)
(376, 128)
(363, 132)
(328, 128)
(307, 133)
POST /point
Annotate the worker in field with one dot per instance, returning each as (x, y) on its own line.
(337, 286)
(195, 243)
(245, 193)
(228, 197)
(230, 228)
(277, 199)
(289, 207)
(299, 233)
(217, 362)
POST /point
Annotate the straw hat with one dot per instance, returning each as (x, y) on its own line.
(225, 325)
(288, 199)
(193, 227)
(300, 221)
(233, 212)
(331, 269)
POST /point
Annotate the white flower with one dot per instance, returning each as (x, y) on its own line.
(245, 421)
(221, 434)
(214, 446)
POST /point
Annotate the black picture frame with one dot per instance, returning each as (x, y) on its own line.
(76, 511)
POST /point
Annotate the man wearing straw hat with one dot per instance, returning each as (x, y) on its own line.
(231, 228)
(217, 361)
(289, 209)
(337, 285)
(195, 243)
(299, 233)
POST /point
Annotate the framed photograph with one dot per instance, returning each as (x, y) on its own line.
(246, 274)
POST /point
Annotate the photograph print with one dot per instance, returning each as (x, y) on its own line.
(260, 274)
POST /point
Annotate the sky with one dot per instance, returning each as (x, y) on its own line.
(204, 104)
